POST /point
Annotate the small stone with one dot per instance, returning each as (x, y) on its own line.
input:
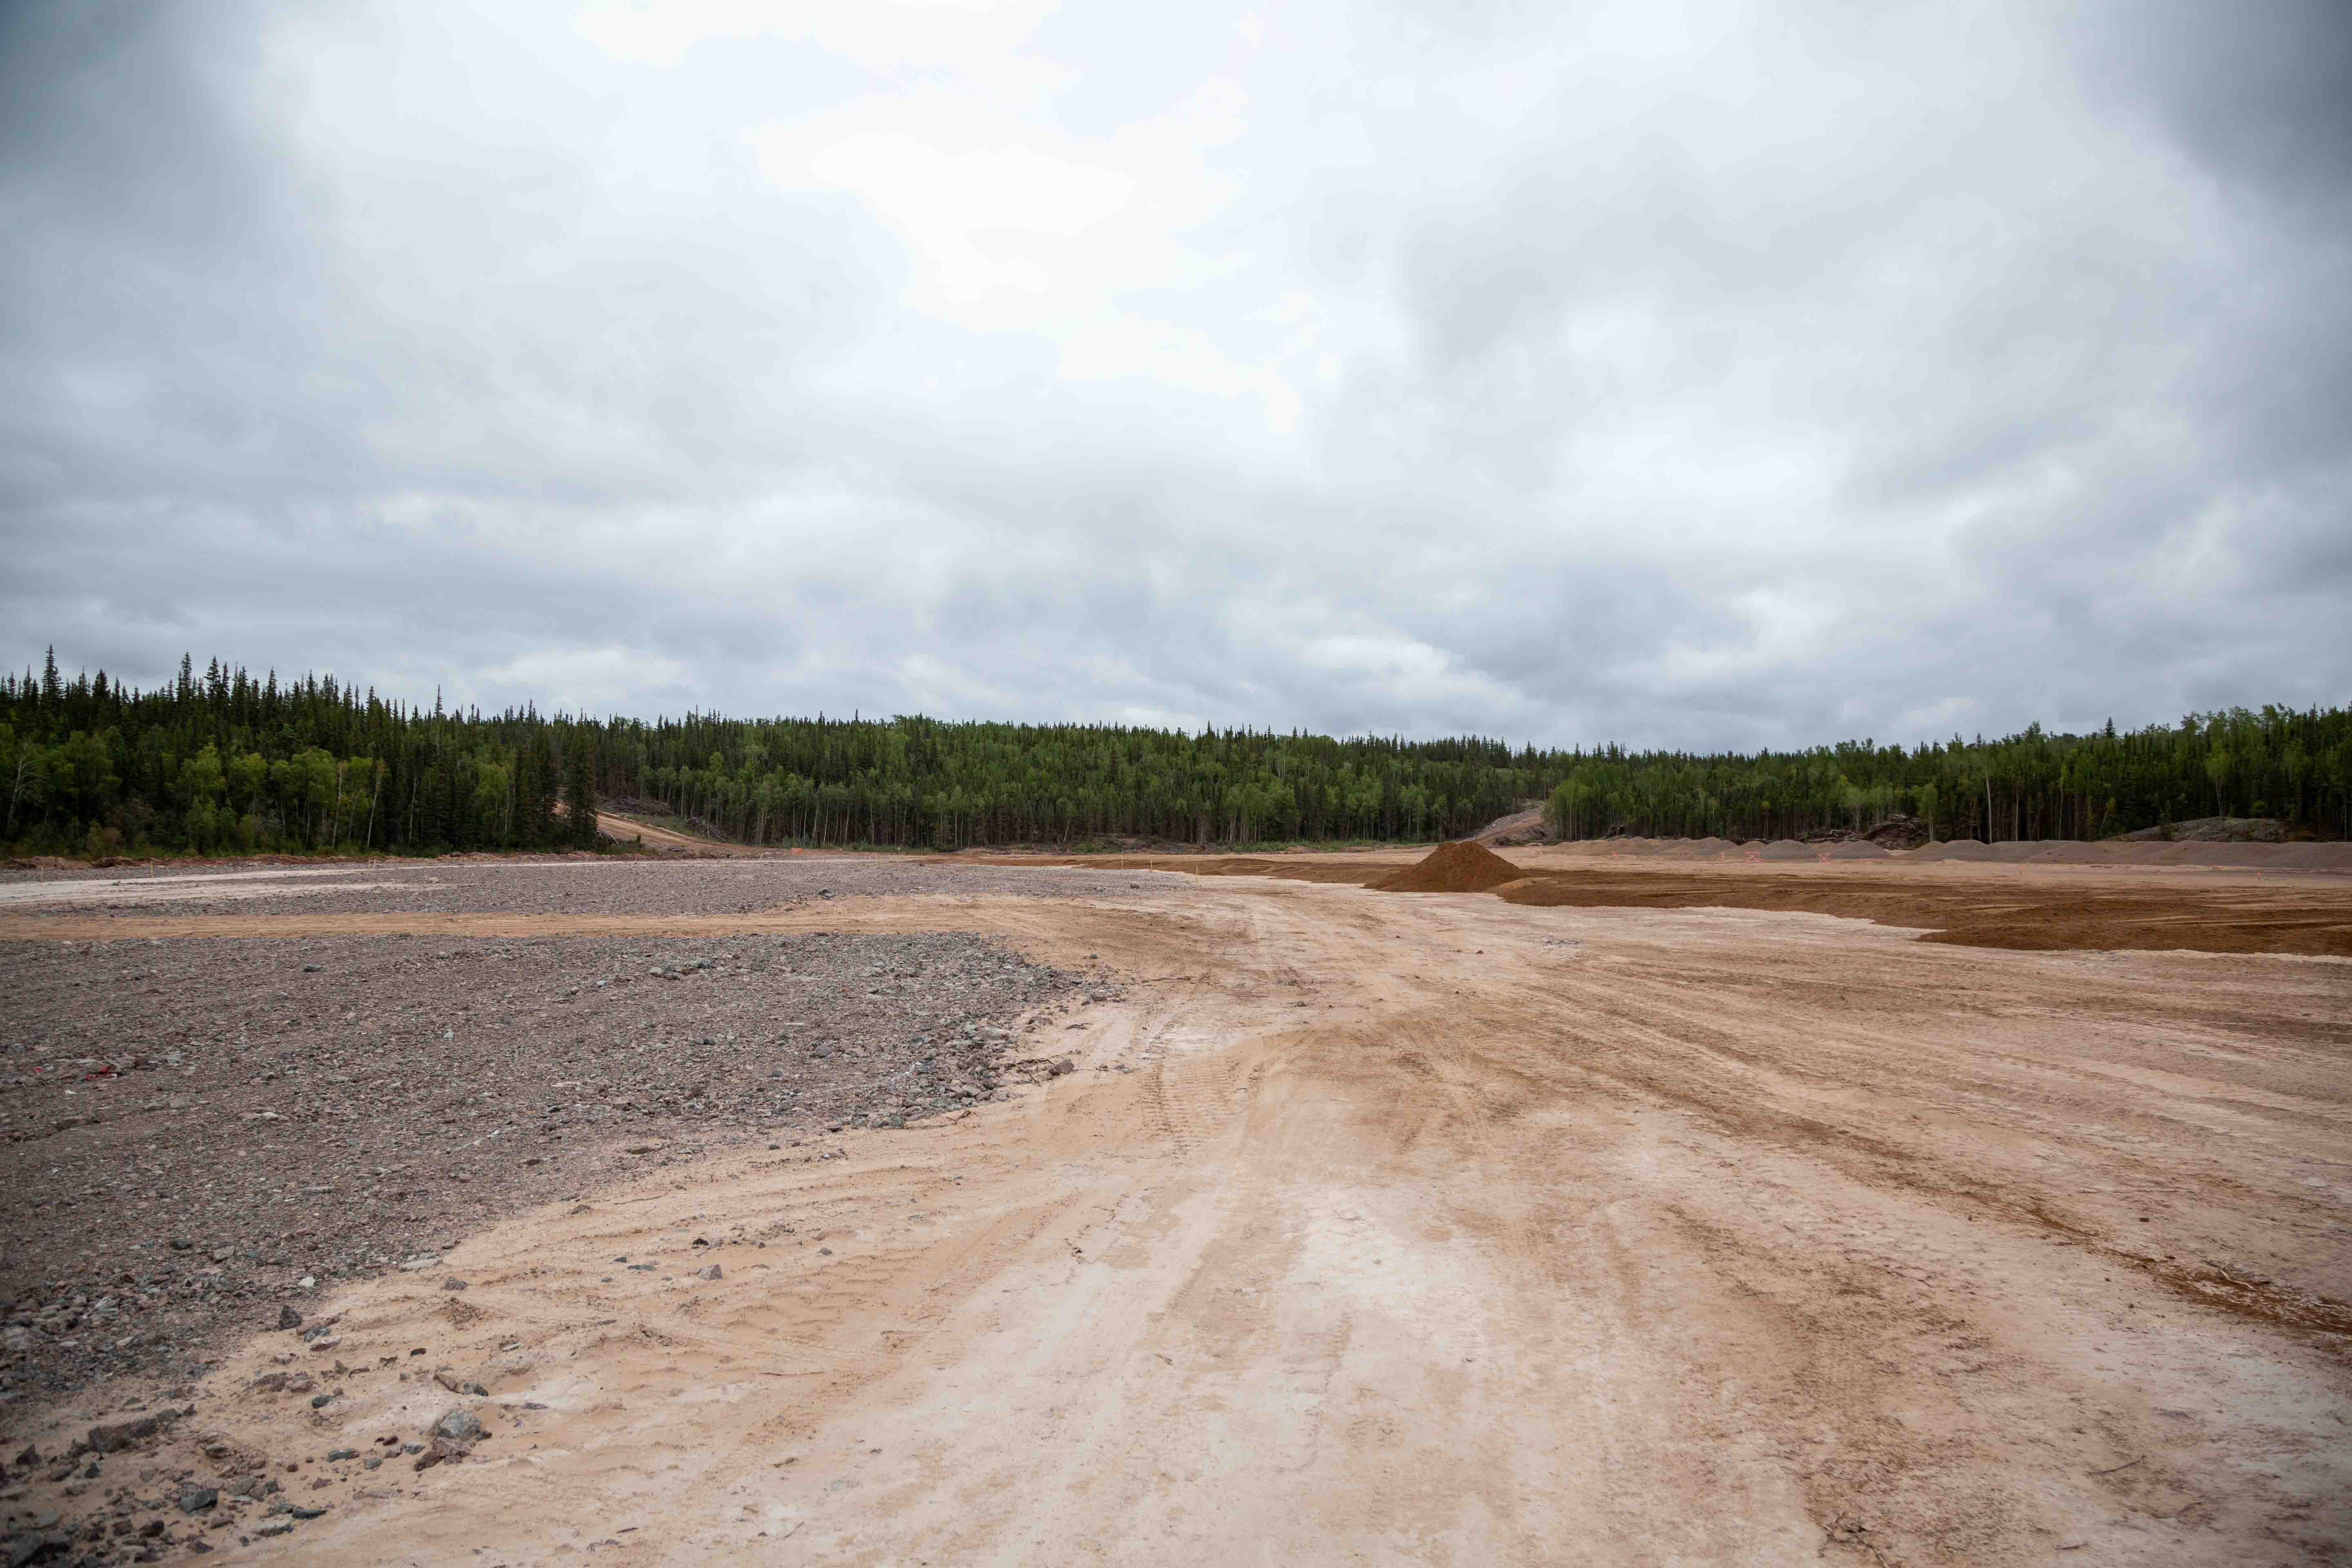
(709, 1271)
(306, 1512)
(307, 1281)
(275, 1527)
(453, 1283)
(223, 1254)
(446, 1377)
(426, 1461)
(196, 1499)
(319, 1401)
(287, 1318)
(371, 1462)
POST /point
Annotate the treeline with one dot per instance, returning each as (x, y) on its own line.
(219, 762)
(2279, 763)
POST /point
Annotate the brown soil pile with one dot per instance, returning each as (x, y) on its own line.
(1459, 867)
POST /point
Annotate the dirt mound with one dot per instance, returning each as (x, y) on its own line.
(2212, 830)
(1857, 849)
(1957, 849)
(1458, 868)
(1788, 849)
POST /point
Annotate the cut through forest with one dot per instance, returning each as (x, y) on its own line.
(217, 762)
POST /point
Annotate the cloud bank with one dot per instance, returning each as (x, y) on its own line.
(1713, 376)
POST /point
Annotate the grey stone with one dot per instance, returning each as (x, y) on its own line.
(458, 1426)
(196, 1499)
(287, 1318)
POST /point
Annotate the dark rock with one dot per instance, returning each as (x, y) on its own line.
(130, 1433)
(319, 1401)
(196, 1499)
(299, 1512)
(453, 1283)
(287, 1318)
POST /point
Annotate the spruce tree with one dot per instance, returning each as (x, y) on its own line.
(580, 791)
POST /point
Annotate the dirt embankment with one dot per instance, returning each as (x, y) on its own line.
(2044, 908)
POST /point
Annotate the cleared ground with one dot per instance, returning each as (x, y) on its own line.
(1404, 1227)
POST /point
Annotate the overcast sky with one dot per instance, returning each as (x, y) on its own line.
(1709, 375)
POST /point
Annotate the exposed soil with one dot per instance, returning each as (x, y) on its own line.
(1463, 868)
(1446, 1229)
(2033, 908)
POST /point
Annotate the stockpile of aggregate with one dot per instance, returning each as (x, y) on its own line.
(1460, 868)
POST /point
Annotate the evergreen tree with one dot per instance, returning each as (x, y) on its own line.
(580, 790)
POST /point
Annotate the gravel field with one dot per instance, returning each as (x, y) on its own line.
(577, 885)
(189, 1129)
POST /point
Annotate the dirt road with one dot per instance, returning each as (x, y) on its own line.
(1438, 1228)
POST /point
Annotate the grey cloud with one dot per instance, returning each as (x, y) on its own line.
(1876, 375)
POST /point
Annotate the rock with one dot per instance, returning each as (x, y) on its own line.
(458, 1426)
(709, 1271)
(273, 1528)
(319, 1401)
(269, 1383)
(287, 1318)
(370, 1463)
(299, 1383)
(223, 1254)
(333, 1454)
(130, 1434)
(196, 1499)
(306, 1512)
(446, 1377)
(426, 1461)
(453, 1283)
(30, 1457)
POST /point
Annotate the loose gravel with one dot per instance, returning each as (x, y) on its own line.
(576, 885)
(200, 1132)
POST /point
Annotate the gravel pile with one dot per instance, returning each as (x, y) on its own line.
(194, 1133)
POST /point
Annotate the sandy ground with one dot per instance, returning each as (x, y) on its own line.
(1379, 1227)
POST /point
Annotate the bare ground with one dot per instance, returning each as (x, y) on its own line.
(1387, 1226)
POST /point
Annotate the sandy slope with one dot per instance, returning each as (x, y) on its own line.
(1441, 1229)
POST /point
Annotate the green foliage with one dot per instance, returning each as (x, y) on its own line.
(221, 763)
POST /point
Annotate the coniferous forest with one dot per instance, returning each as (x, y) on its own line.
(219, 762)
